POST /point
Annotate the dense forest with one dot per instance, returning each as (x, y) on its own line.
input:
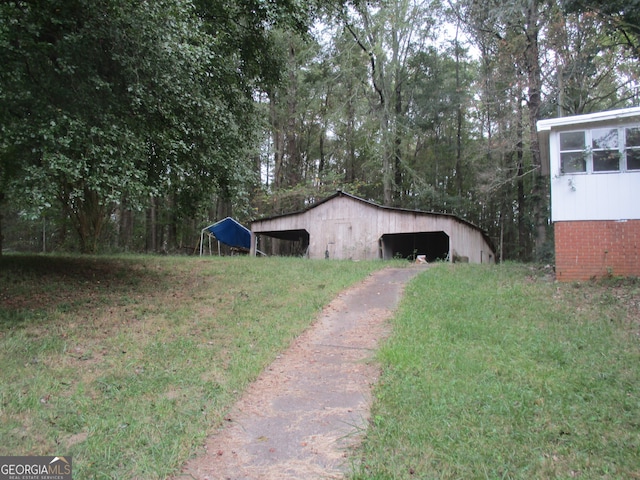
(129, 126)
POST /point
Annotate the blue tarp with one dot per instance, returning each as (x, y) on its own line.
(231, 233)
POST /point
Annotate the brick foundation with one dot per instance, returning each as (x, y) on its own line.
(588, 249)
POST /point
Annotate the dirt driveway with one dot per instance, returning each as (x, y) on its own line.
(308, 408)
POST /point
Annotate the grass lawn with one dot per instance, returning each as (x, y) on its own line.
(127, 363)
(498, 372)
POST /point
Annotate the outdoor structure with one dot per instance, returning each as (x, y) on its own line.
(594, 166)
(228, 232)
(344, 226)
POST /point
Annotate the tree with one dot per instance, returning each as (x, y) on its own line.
(389, 33)
(513, 33)
(115, 100)
(621, 19)
(590, 73)
(440, 88)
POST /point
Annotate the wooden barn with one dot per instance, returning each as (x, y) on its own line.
(344, 226)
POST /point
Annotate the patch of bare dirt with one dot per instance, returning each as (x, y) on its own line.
(305, 413)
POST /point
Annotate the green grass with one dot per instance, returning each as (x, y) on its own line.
(127, 363)
(501, 373)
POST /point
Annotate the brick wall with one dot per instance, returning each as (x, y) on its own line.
(587, 249)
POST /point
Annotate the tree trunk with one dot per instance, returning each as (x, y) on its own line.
(1, 216)
(172, 225)
(277, 135)
(534, 85)
(223, 206)
(321, 162)
(387, 163)
(350, 168)
(293, 170)
(397, 142)
(522, 227)
(160, 226)
(459, 117)
(125, 227)
(224, 210)
(89, 215)
(151, 236)
(323, 135)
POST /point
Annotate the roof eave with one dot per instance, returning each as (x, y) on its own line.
(575, 120)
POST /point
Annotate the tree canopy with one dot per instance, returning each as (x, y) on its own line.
(620, 18)
(134, 123)
(112, 100)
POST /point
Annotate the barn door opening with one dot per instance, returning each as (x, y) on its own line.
(434, 245)
(291, 243)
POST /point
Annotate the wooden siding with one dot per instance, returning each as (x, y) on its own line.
(349, 228)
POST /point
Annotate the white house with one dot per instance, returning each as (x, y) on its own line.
(594, 167)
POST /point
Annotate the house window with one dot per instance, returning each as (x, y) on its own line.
(600, 150)
(605, 151)
(572, 152)
(632, 148)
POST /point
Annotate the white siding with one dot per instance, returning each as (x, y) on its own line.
(591, 196)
